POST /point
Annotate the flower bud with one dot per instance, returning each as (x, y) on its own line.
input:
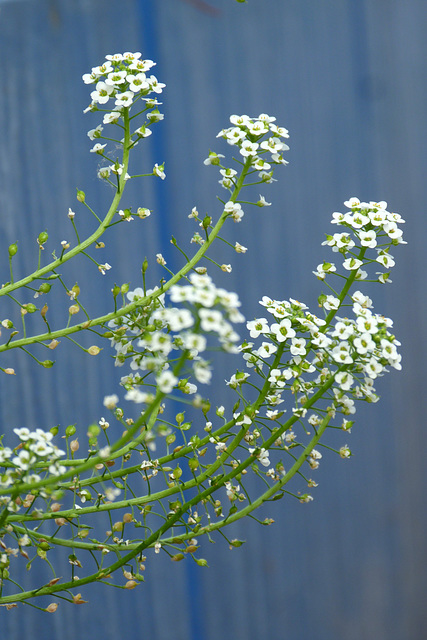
(45, 546)
(60, 522)
(178, 557)
(206, 222)
(124, 288)
(13, 249)
(201, 561)
(94, 350)
(81, 195)
(30, 307)
(54, 430)
(43, 237)
(131, 584)
(47, 364)
(70, 430)
(144, 265)
(52, 607)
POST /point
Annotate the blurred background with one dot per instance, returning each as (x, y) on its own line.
(348, 79)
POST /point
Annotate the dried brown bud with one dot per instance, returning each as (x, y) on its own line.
(131, 584)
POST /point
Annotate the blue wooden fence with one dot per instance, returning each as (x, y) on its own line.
(348, 79)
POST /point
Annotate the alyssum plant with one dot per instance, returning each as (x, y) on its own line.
(297, 376)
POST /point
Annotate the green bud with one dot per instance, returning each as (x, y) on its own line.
(144, 265)
(81, 196)
(70, 430)
(93, 430)
(236, 543)
(54, 430)
(193, 463)
(206, 222)
(13, 249)
(47, 364)
(30, 307)
(206, 405)
(45, 546)
(177, 473)
(115, 290)
(177, 557)
(201, 561)
(125, 287)
(43, 237)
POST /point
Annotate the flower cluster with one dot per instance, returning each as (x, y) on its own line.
(254, 137)
(123, 79)
(374, 228)
(344, 355)
(35, 453)
(159, 330)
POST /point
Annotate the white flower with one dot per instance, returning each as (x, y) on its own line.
(262, 456)
(102, 93)
(331, 303)
(159, 171)
(110, 402)
(98, 148)
(104, 267)
(166, 381)
(266, 350)
(137, 83)
(23, 433)
(368, 239)
(112, 117)
(364, 343)
(352, 203)
(283, 330)
(248, 148)
(116, 78)
(352, 263)
(95, 133)
(262, 202)
(343, 330)
(298, 347)
(239, 248)
(373, 368)
(344, 379)
(256, 327)
(341, 353)
(243, 121)
(234, 209)
(213, 158)
(124, 99)
(386, 260)
(155, 85)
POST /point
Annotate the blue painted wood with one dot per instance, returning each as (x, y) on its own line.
(348, 80)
